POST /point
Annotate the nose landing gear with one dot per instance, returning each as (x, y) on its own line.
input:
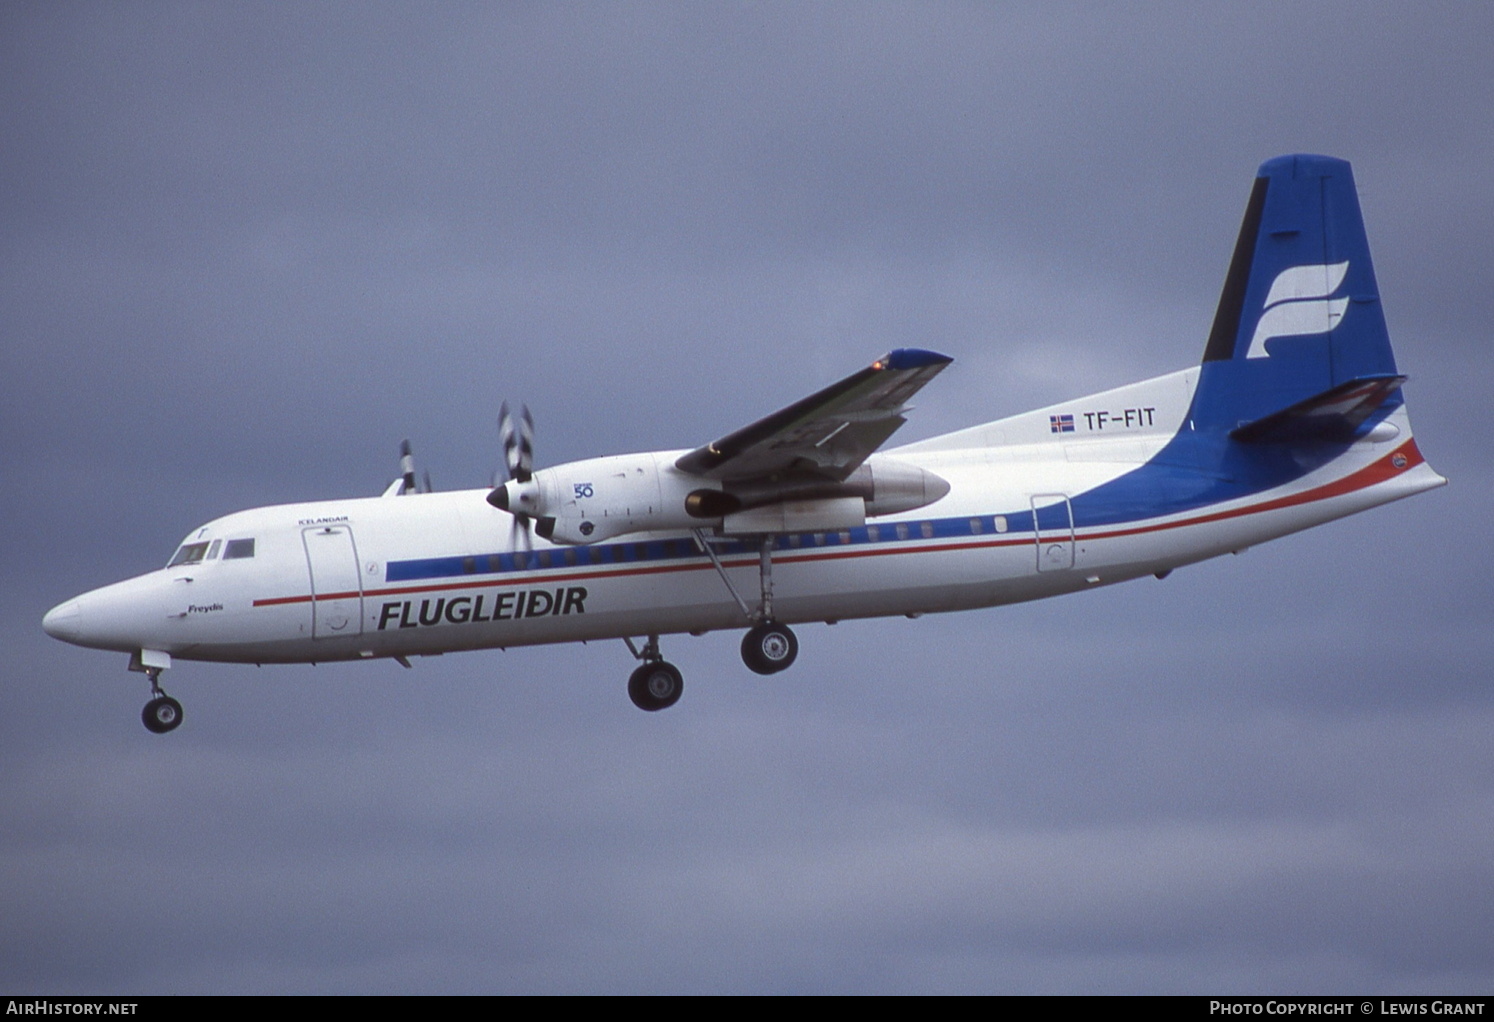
(658, 684)
(162, 713)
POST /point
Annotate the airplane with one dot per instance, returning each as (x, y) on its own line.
(1295, 417)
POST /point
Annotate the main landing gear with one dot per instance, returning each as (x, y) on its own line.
(767, 648)
(162, 713)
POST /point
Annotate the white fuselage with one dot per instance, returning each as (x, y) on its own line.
(431, 573)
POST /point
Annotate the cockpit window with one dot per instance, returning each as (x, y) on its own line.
(237, 548)
(190, 553)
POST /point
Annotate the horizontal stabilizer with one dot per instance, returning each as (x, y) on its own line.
(1334, 416)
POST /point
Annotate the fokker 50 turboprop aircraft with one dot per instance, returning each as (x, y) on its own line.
(1294, 418)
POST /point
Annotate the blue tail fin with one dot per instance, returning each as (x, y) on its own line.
(1300, 311)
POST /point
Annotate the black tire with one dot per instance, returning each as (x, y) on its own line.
(656, 686)
(769, 648)
(162, 714)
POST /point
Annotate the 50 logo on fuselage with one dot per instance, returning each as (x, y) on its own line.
(463, 610)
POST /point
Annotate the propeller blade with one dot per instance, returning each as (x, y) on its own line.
(519, 530)
(407, 466)
(517, 435)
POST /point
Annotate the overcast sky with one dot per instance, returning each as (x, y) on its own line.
(246, 248)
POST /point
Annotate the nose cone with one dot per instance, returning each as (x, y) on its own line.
(124, 616)
(65, 621)
(516, 497)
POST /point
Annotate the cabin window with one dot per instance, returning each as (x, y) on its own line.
(238, 548)
(927, 528)
(189, 553)
(902, 530)
(873, 533)
(975, 527)
(999, 522)
(570, 555)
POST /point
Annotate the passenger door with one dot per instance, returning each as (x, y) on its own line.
(1053, 528)
(336, 585)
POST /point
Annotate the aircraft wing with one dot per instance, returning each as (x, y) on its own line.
(826, 435)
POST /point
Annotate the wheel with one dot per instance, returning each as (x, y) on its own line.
(162, 714)
(769, 648)
(656, 686)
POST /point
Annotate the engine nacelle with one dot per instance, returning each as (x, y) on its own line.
(599, 498)
(593, 500)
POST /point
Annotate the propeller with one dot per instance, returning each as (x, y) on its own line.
(516, 433)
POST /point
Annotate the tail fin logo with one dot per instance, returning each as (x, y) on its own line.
(1299, 304)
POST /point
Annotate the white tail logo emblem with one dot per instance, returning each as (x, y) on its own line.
(1298, 304)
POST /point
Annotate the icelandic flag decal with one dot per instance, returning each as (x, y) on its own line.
(1060, 424)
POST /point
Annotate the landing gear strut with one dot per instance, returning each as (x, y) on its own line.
(768, 647)
(657, 684)
(162, 713)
